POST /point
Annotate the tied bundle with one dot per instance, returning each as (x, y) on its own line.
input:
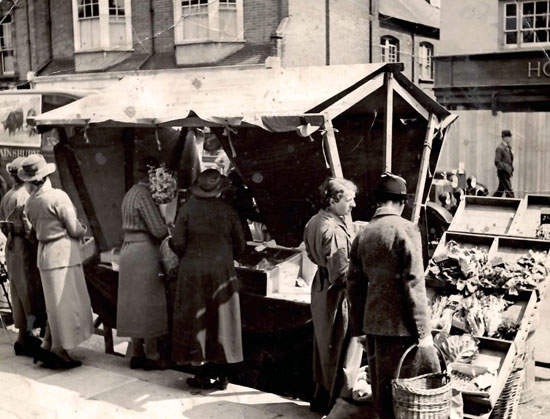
(162, 184)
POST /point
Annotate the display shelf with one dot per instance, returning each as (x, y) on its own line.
(260, 269)
(528, 216)
(485, 215)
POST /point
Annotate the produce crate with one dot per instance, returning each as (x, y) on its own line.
(528, 216)
(485, 215)
(280, 264)
(521, 312)
(501, 355)
(465, 240)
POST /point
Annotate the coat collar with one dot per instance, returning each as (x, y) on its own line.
(47, 186)
(339, 221)
(383, 211)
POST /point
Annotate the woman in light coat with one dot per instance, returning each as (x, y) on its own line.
(53, 218)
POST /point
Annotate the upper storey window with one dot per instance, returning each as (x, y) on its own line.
(526, 23)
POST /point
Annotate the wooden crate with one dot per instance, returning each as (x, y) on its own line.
(528, 216)
(284, 263)
(511, 248)
(485, 215)
(501, 354)
(465, 240)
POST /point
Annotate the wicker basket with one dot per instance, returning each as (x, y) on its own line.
(427, 396)
(507, 404)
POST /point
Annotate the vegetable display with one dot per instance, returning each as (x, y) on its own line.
(457, 348)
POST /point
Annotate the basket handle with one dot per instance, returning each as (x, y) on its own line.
(410, 348)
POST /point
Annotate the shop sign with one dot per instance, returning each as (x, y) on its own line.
(14, 112)
(10, 153)
(538, 69)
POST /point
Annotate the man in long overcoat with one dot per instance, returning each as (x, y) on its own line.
(387, 293)
(328, 237)
(504, 162)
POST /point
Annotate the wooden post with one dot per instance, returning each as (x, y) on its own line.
(128, 146)
(64, 152)
(388, 122)
(424, 163)
(332, 150)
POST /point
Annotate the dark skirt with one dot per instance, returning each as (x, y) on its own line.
(207, 315)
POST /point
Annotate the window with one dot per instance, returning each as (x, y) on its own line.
(102, 24)
(425, 56)
(7, 64)
(526, 23)
(208, 20)
(390, 49)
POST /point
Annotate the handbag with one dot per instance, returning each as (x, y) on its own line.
(170, 261)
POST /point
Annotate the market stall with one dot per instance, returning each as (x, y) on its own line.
(285, 130)
(487, 281)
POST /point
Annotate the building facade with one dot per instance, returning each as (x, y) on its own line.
(493, 71)
(88, 43)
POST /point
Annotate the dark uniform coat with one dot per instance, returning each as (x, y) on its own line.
(504, 162)
(25, 286)
(388, 300)
(328, 241)
(207, 317)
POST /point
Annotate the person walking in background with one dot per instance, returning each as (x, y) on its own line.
(25, 287)
(142, 312)
(328, 238)
(53, 218)
(504, 162)
(387, 293)
(207, 317)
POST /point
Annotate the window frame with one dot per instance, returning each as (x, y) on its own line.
(386, 42)
(7, 26)
(214, 34)
(425, 60)
(105, 19)
(519, 18)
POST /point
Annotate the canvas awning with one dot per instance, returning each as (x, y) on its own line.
(276, 100)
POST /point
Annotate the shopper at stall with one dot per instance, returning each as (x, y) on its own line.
(207, 318)
(328, 238)
(142, 312)
(53, 218)
(504, 162)
(25, 289)
(388, 295)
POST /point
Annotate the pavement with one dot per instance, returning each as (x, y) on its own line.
(105, 387)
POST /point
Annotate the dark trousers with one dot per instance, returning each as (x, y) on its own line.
(384, 353)
(504, 185)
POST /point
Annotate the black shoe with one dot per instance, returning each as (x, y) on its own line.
(57, 363)
(201, 382)
(151, 365)
(222, 383)
(137, 362)
(19, 349)
(42, 355)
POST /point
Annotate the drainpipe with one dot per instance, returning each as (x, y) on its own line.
(50, 41)
(327, 31)
(152, 34)
(371, 22)
(278, 36)
(413, 60)
(28, 34)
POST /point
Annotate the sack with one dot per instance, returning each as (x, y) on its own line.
(170, 261)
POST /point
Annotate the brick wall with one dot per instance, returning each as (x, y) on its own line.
(141, 21)
(20, 39)
(163, 20)
(40, 30)
(351, 18)
(261, 18)
(62, 28)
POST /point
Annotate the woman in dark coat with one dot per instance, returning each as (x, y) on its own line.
(207, 320)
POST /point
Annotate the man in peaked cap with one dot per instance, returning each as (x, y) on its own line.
(504, 162)
(387, 294)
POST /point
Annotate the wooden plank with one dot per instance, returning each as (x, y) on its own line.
(424, 163)
(64, 151)
(388, 122)
(354, 97)
(332, 150)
